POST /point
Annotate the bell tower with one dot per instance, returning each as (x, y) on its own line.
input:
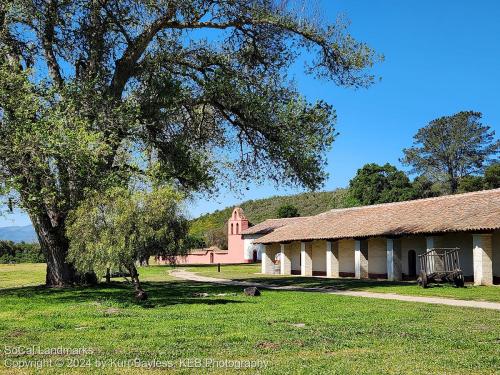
(236, 224)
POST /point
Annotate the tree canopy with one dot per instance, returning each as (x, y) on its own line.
(490, 180)
(288, 210)
(193, 93)
(115, 229)
(492, 176)
(380, 184)
(452, 147)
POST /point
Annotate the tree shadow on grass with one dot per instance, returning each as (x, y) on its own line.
(324, 283)
(340, 284)
(165, 293)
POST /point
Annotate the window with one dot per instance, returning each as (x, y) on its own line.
(231, 228)
(237, 228)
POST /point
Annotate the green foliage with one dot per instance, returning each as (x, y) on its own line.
(51, 149)
(11, 252)
(116, 228)
(288, 210)
(256, 211)
(194, 242)
(452, 147)
(93, 93)
(490, 180)
(492, 176)
(423, 187)
(470, 183)
(217, 237)
(380, 184)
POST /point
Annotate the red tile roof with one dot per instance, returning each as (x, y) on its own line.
(269, 225)
(477, 211)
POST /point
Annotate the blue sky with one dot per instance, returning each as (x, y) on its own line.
(440, 57)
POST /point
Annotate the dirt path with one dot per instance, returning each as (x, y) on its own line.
(186, 275)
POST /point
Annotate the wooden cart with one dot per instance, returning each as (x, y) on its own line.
(440, 265)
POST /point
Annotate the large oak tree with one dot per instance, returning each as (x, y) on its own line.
(190, 92)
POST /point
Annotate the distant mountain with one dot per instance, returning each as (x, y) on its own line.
(18, 234)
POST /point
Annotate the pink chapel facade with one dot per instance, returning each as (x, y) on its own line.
(240, 246)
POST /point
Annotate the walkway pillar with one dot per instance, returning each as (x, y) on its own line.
(482, 245)
(306, 258)
(361, 259)
(332, 258)
(433, 242)
(267, 263)
(394, 272)
(434, 263)
(285, 260)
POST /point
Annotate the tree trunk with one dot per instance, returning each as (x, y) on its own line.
(55, 245)
(453, 185)
(144, 261)
(108, 275)
(140, 294)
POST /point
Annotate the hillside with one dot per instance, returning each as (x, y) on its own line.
(262, 209)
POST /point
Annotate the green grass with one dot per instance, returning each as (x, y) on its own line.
(251, 273)
(293, 332)
(23, 274)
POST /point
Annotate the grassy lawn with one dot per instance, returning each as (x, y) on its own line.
(292, 332)
(250, 273)
(24, 274)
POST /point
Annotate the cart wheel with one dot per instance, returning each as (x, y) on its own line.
(459, 281)
(422, 279)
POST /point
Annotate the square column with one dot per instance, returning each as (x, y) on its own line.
(267, 262)
(430, 241)
(285, 260)
(482, 245)
(361, 259)
(306, 258)
(434, 263)
(332, 258)
(394, 259)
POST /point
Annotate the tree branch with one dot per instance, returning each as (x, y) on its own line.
(116, 21)
(47, 39)
(13, 52)
(126, 64)
(96, 40)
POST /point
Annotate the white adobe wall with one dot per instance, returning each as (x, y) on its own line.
(417, 243)
(377, 255)
(295, 255)
(319, 256)
(272, 250)
(377, 261)
(464, 242)
(268, 265)
(249, 246)
(346, 256)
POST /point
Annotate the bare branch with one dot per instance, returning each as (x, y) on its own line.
(116, 21)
